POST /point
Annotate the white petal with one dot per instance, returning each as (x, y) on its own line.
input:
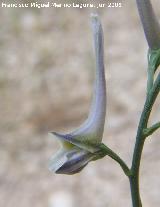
(57, 160)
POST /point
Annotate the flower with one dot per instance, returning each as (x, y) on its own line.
(80, 147)
(150, 23)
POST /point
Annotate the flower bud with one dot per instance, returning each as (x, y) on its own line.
(150, 23)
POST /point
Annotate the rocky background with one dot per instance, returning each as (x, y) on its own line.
(46, 76)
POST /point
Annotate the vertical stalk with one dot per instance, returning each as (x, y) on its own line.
(134, 185)
(134, 179)
(140, 139)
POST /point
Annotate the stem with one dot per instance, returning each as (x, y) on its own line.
(107, 151)
(140, 139)
(151, 130)
(150, 78)
(134, 185)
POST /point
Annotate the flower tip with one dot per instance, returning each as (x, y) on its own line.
(94, 15)
(96, 29)
(95, 18)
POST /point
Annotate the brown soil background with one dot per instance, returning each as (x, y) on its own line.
(46, 81)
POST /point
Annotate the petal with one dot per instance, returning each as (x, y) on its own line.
(58, 160)
(81, 142)
(77, 159)
(63, 140)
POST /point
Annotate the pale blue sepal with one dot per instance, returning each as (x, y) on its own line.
(80, 142)
(70, 161)
(91, 131)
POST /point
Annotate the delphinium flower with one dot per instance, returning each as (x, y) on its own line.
(80, 147)
(84, 144)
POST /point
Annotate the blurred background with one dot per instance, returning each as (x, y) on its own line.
(46, 77)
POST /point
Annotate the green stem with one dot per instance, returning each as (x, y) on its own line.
(107, 151)
(135, 193)
(150, 78)
(140, 138)
(148, 131)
